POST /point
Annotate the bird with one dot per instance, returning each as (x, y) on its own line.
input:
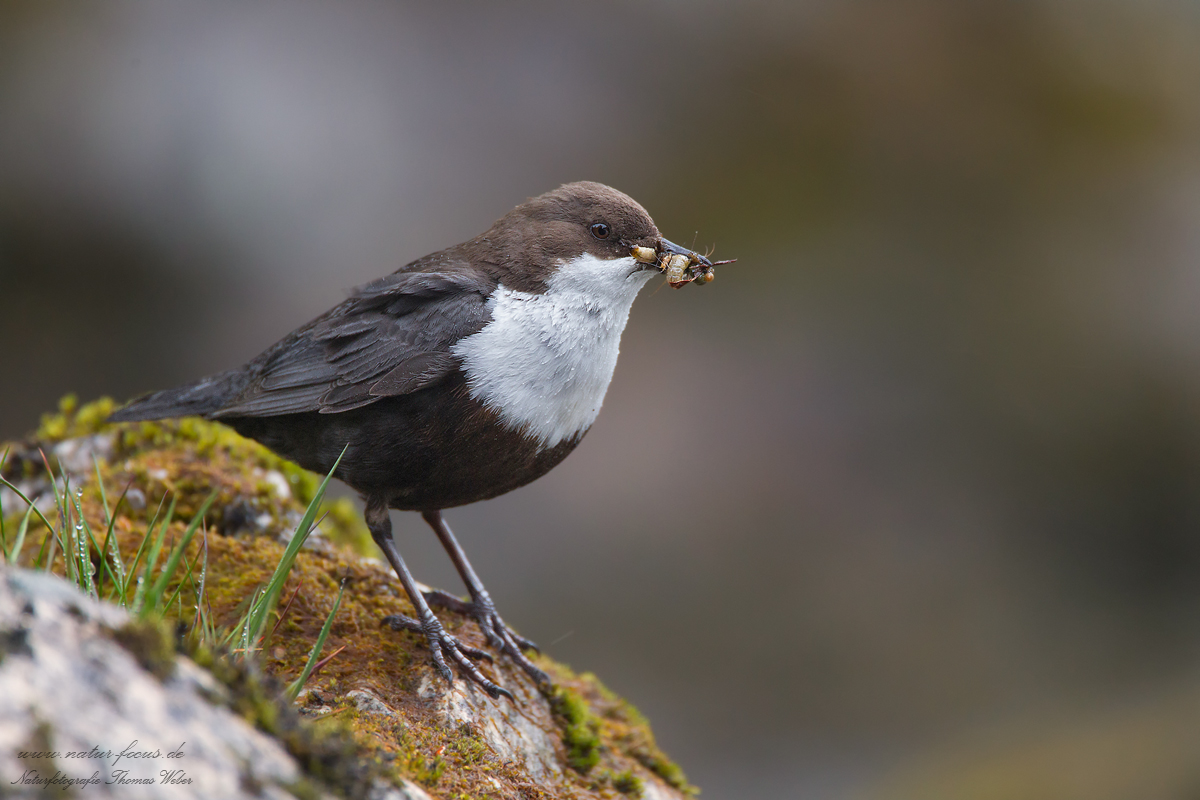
(462, 375)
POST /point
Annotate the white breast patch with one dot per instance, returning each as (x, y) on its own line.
(544, 361)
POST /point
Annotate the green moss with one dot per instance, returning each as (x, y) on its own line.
(416, 758)
(628, 783)
(654, 760)
(73, 420)
(427, 771)
(468, 747)
(580, 729)
(629, 730)
(55, 427)
(197, 455)
(152, 642)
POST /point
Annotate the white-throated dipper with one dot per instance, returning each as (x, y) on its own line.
(461, 376)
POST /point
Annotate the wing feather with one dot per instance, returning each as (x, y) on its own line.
(391, 337)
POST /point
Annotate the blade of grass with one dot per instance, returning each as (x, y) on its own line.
(242, 630)
(321, 664)
(202, 624)
(110, 549)
(108, 519)
(137, 557)
(201, 555)
(238, 629)
(73, 538)
(15, 553)
(187, 576)
(154, 596)
(52, 541)
(200, 598)
(260, 611)
(4, 482)
(58, 501)
(283, 613)
(139, 596)
(73, 543)
(48, 539)
(298, 684)
(84, 567)
(42, 550)
(85, 552)
(62, 519)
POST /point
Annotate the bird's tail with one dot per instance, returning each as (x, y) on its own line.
(202, 398)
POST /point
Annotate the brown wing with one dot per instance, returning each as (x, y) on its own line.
(392, 337)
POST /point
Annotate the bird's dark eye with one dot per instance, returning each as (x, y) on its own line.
(601, 230)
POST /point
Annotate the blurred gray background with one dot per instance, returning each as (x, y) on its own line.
(906, 504)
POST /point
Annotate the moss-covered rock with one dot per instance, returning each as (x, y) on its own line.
(581, 741)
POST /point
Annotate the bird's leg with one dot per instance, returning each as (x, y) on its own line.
(481, 606)
(441, 644)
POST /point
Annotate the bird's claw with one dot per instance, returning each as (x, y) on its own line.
(442, 644)
(497, 633)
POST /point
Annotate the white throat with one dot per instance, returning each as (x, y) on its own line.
(544, 361)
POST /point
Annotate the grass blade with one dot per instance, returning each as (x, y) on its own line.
(4, 482)
(187, 576)
(154, 595)
(139, 596)
(61, 539)
(200, 620)
(319, 645)
(85, 548)
(111, 550)
(19, 542)
(137, 557)
(108, 515)
(256, 618)
(283, 614)
(109, 522)
(46, 540)
(242, 629)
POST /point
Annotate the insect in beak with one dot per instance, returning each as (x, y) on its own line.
(680, 266)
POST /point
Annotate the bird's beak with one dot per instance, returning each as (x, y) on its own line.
(667, 248)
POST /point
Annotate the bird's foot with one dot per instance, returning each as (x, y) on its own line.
(498, 634)
(441, 645)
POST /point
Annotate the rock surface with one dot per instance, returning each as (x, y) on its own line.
(72, 700)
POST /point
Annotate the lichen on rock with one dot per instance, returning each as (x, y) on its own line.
(410, 734)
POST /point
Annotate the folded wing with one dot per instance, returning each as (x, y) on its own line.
(392, 337)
